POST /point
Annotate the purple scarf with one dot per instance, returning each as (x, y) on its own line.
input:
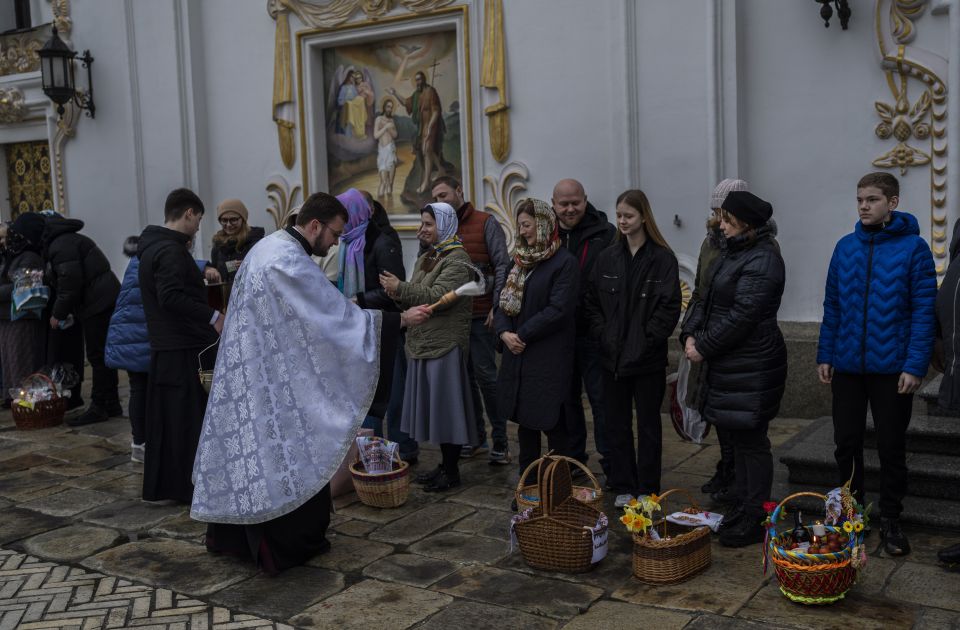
(351, 279)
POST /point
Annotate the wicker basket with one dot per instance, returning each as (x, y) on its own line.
(557, 536)
(382, 490)
(528, 495)
(675, 559)
(45, 414)
(808, 578)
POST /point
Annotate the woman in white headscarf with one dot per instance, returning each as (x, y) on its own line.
(437, 405)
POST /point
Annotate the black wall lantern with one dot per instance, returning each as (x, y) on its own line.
(843, 12)
(57, 69)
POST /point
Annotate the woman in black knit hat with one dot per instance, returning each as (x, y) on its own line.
(734, 328)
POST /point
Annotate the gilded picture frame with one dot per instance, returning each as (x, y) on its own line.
(420, 63)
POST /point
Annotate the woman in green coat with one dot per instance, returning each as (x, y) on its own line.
(437, 404)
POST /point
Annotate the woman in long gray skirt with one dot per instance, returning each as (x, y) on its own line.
(437, 404)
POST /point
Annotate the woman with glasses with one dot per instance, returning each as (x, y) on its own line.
(437, 404)
(231, 243)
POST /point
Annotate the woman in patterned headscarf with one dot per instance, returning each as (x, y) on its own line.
(535, 323)
(437, 405)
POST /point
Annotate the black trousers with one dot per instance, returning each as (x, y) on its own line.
(891, 416)
(558, 441)
(138, 406)
(104, 390)
(727, 464)
(635, 472)
(753, 463)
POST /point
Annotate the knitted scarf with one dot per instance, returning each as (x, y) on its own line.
(528, 256)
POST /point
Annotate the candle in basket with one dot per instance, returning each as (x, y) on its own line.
(819, 530)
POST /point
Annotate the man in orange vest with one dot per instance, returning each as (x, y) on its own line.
(486, 244)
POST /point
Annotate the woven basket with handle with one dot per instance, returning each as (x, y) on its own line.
(811, 578)
(45, 414)
(382, 490)
(679, 554)
(557, 536)
(528, 494)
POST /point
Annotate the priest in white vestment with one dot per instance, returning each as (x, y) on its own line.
(298, 367)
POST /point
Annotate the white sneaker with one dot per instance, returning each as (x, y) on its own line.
(137, 451)
(623, 499)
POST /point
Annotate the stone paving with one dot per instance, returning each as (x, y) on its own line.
(78, 549)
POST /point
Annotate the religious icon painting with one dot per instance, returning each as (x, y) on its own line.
(382, 108)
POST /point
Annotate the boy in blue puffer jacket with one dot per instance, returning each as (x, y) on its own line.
(876, 340)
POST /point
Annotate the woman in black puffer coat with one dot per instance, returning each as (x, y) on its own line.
(734, 329)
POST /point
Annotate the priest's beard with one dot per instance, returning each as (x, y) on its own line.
(319, 249)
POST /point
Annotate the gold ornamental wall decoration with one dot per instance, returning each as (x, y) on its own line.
(13, 107)
(28, 177)
(18, 53)
(493, 75)
(902, 122)
(926, 119)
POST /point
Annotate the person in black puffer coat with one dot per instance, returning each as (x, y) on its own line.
(83, 286)
(231, 244)
(21, 340)
(734, 329)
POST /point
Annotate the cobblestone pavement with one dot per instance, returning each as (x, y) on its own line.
(78, 549)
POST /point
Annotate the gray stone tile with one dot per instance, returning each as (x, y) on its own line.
(29, 484)
(127, 487)
(372, 604)
(53, 435)
(132, 516)
(460, 547)
(409, 569)
(69, 502)
(855, 610)
(23, 462)
(113, 426)
(723, 588)
(873, 579)
(462, 614)
(926, 585)
(490, 497)
(925, 544)
(174, 564)
(935, 619)
(607, 614)
(421, 523)
(68, 469)
(95, 479)
(489, 523)
(72, 543)
(386, 515)
(11, 449)
(354, 527)
(348, 554)
(540, 596)
(716, 622)
(282, 596)
(180, 527)
(17, 523)
(88, 454)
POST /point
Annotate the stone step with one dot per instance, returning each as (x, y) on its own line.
(926, 434)
(809, 458)
(923, 511)
(929, 394)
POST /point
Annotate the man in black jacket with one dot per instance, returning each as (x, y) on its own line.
(85, 291)
(180, 326)
(585, 232)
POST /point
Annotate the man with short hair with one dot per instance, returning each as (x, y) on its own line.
(300, 366)
(876, 340)
(180, 326)
(585, 232)
(486, 244)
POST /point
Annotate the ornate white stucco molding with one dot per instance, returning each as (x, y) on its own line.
(505, 191)
(925, 120)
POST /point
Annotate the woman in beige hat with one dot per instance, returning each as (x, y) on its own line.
(232, 242)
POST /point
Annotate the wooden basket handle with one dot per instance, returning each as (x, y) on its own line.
(663, 521)
(583, 467)
(526, 473)
(775, 516)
